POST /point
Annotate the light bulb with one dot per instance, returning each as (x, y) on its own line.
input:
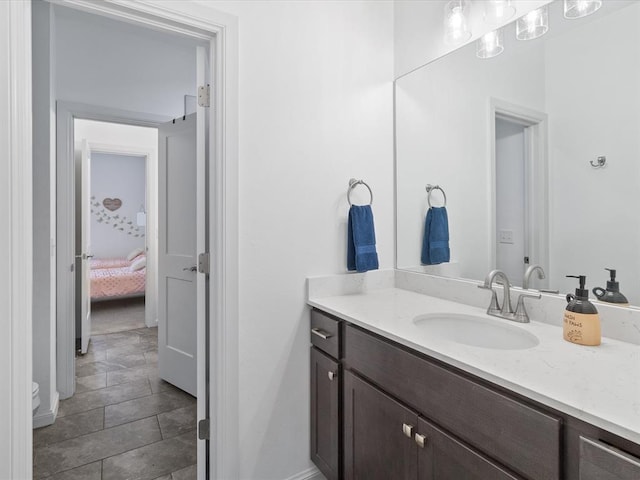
(455, 22)
(498, 11)
(580, 8)
(533, 25)
(490, 45)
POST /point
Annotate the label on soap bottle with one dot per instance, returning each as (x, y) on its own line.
(581, 328)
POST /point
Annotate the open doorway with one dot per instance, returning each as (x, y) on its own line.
(124, 408)
(520, 200)
(116, 221)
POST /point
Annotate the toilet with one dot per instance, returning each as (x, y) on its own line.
(35, 397)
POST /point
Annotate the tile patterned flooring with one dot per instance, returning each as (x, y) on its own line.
(124, 422)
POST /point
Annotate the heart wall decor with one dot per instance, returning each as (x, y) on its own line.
(112, 204)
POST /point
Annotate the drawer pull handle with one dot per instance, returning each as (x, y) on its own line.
(321, 333)
(332, 375)
(421, 440)
(407, 430)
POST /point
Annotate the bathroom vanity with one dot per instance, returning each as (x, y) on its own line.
(395, 397)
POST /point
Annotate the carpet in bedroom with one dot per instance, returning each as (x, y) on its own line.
(112, 316)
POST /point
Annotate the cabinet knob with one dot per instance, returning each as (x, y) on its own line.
(407, 430)
(332, 375)
(421, 440)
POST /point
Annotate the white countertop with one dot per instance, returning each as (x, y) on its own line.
(600, 385)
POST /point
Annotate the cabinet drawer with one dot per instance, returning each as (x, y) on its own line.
(325, 333)
(517, 435)
(599, 461)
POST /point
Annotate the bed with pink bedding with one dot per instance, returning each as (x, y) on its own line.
(114, 278)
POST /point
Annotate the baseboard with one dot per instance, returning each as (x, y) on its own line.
(309, 474)
(44, 418)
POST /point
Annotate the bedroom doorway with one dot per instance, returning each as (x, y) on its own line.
(116, 217)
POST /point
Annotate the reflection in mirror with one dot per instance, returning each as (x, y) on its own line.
(514, 141)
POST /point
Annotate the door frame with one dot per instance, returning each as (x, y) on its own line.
(221, 31)
(16, 240)
(66, 113)
(536, 174)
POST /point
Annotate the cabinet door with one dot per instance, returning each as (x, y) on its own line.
(378, 434)
(325, 415)
(445, 458)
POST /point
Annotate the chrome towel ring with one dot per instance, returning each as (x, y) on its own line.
(353, 183)
(430, 188)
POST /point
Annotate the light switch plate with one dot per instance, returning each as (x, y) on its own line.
(505, 236)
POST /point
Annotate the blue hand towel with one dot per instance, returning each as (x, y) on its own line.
(361, 241)
(435, 243)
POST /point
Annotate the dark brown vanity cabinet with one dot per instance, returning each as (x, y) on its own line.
(380, 410)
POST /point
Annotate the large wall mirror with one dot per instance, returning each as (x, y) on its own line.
(516, 142)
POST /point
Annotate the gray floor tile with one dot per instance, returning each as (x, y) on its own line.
(143, 407)
(116, 339)
(179, 421)
(127, 361)
(131, 348)
(93, 471)
(164, 477)
(151, 357)
(97, 367)
(69, 454)
(91, 356)
(83, 402)
(128, 375)
(189, 473)
(152, 461)
(69, 427)
(91, 382)
(158, 385)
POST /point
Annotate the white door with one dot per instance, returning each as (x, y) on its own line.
(178, 196)
(85, 248)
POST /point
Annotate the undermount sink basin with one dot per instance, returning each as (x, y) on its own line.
(476, 331)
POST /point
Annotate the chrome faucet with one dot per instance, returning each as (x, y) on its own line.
(529, 272)
(506, 285)
(520, 315)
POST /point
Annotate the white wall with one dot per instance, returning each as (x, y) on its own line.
(419, 29)
(105, 62)
(123, 177)
(593, 210)
(315, 109)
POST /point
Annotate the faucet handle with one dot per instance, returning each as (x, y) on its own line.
(494, 306)
(521, 314)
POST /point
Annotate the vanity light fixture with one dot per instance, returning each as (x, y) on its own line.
(533, 25)
(580, 8)
(498, 11)
(490, 44)
(456, 30)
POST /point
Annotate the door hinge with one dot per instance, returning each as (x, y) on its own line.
(204, 263)
(204, 95)
(204, 429)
